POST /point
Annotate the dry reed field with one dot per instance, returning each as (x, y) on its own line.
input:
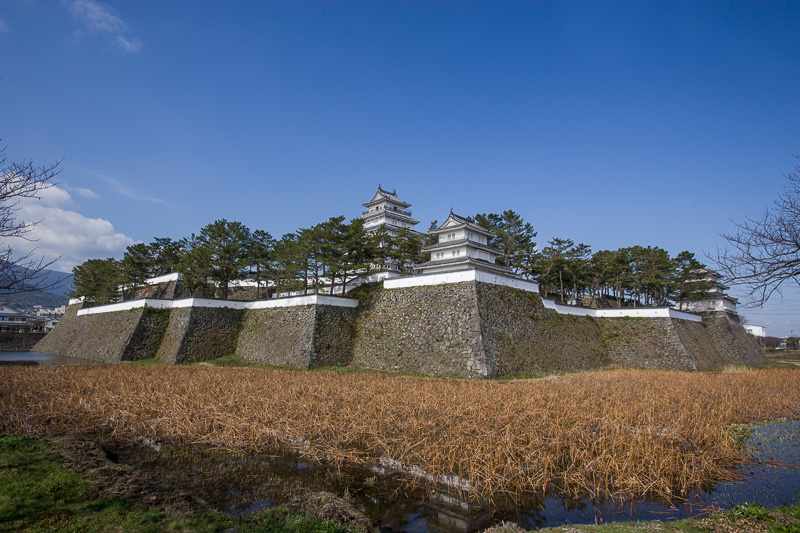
(622, 433)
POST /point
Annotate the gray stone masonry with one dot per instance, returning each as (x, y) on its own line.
(733, 342)
(171, 290)
(173, 337)
(302, 337)
(645, 343)
(668, 343)
(19, 342)
(428, 330)
(280, 336)
(102, 337)
(147, 338)
(521, 337)
(468, 329)
(199, 334)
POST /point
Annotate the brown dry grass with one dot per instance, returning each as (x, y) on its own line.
(619, 433)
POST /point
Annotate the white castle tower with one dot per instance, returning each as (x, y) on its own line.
(462, 245)
(387, 210)
(711, 291)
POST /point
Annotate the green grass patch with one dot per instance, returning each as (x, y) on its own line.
(229, 360)
(37, 493)
(145, 362)
(742, 518)
(276, 521)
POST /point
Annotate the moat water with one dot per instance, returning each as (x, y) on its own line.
(238, 485)
(37, 359)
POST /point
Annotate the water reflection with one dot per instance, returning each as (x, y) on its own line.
(37, 359)
(240, 484)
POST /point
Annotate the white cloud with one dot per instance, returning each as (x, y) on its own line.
(86, 193)
(3, 26)
(96, 17)
(130, 46)
(54, 197)
(63, 232)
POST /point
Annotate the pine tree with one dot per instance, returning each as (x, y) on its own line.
(135, 267)
(259, 256)
(97, 280)
(227, 244)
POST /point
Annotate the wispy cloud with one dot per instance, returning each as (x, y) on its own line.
(130, 46)
(3, 26)
(96, 17)
(86, 193)
(124, 190)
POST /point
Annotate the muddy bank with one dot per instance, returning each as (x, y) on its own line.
(116, 472)
(238, 485)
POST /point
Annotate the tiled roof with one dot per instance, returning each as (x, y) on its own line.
(452, 244)
(479, 263)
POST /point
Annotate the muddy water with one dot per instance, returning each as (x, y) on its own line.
(240, 484)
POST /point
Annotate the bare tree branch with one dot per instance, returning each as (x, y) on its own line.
(765, 252)
(17, 181)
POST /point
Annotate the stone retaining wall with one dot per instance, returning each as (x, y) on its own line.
(102, 337)
(198, 334)
(730, 338)
(170, 290)
(147, 338)
(467, 329)
(472, 329)
(334, 333)
(433, 329)
(671, 344)
(173, 337)
(645, 343)
(308, 336)
(521, 337)
(280, 336)
(19, 342)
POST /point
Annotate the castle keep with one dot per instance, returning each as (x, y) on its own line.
(464, 315)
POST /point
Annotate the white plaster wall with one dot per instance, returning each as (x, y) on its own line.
(530, 286)
(456, 235)
(710, 305)
(175, 276)
(757, 331)
(311, 299)
(459, 277)
(661, 312)
(728, 306)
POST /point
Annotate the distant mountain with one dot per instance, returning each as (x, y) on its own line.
(26, 300)
(63, 280)
(55, 296)
(59, 283)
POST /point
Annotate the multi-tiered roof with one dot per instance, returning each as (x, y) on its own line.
(387, 210)
(463, 244)
(709, 294)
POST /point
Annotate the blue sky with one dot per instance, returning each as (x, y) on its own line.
(610, 123)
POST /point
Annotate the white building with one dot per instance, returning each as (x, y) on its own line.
(462, 245)
(755, 331)
(15, 321)
(387, 210)
(712, 298)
